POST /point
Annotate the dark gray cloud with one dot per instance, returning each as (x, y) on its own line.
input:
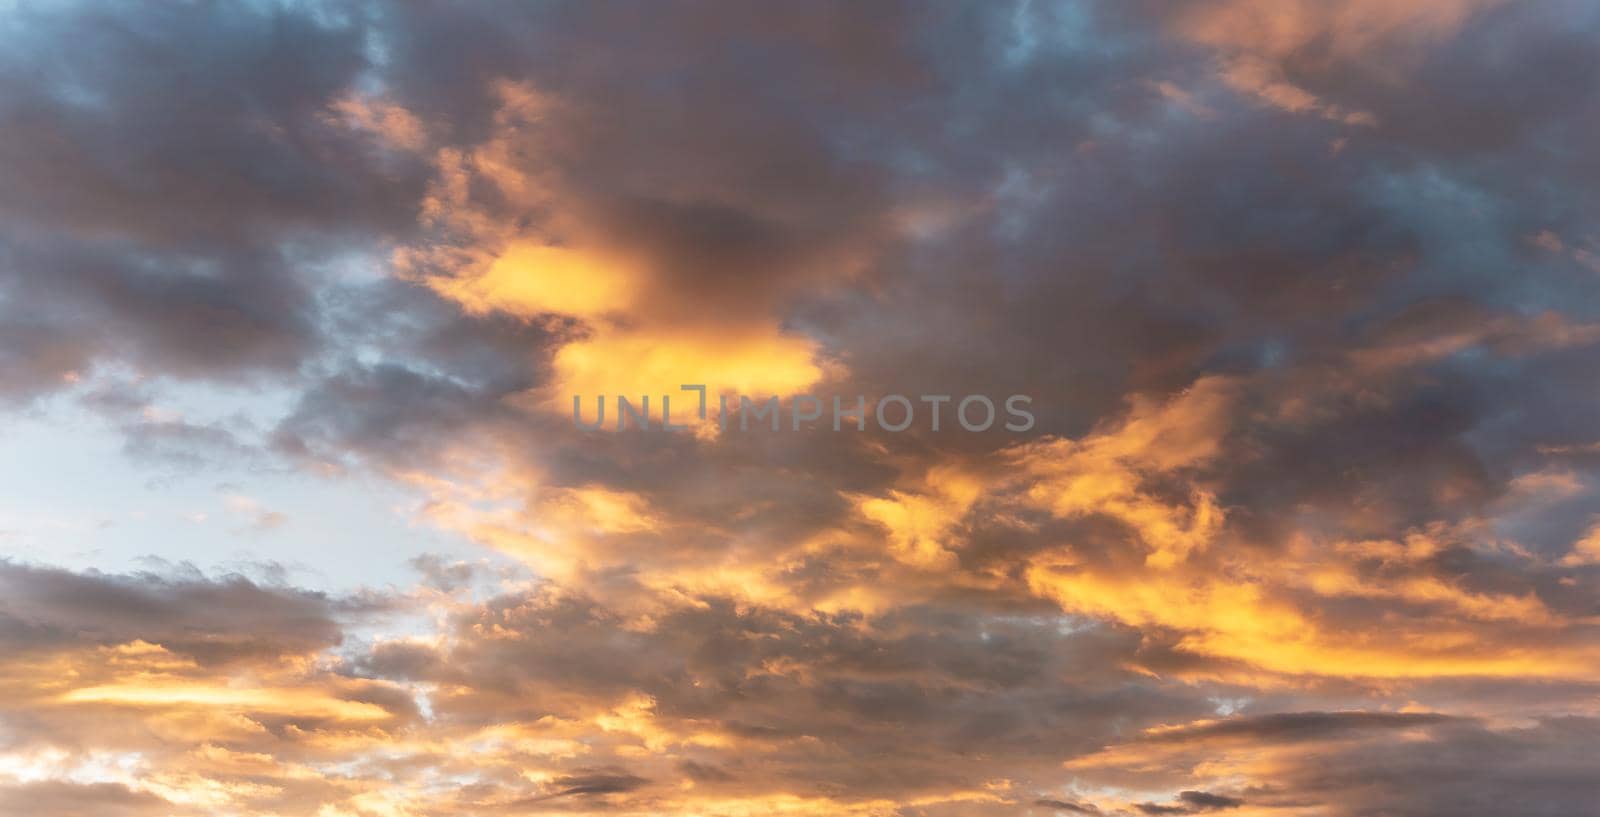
(221, 620)
(1193, 802)
(1545, 769)
(990, 688)
(596, 783)
(168, 177)
(177, 127)
(1067, 806)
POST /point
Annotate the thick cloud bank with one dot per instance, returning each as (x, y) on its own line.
(1306, 296)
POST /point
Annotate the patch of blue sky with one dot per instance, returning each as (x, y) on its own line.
(71, 496)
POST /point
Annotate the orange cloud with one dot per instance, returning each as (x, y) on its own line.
(1259, 41)
(277, 701)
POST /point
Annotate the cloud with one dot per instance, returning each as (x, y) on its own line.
(1067, 806)
(1193, 802)
(210, 621)
(1305, 524)
(157, 194)
(73, 800)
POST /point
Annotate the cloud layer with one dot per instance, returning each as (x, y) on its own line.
(1304, 294)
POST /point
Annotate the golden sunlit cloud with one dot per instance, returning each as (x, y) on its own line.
(531, 280)
(655, 362)
(629, 345)
(278, 701)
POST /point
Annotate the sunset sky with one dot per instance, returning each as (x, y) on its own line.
(295, 298)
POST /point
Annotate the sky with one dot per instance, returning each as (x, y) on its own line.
(1304, 297)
